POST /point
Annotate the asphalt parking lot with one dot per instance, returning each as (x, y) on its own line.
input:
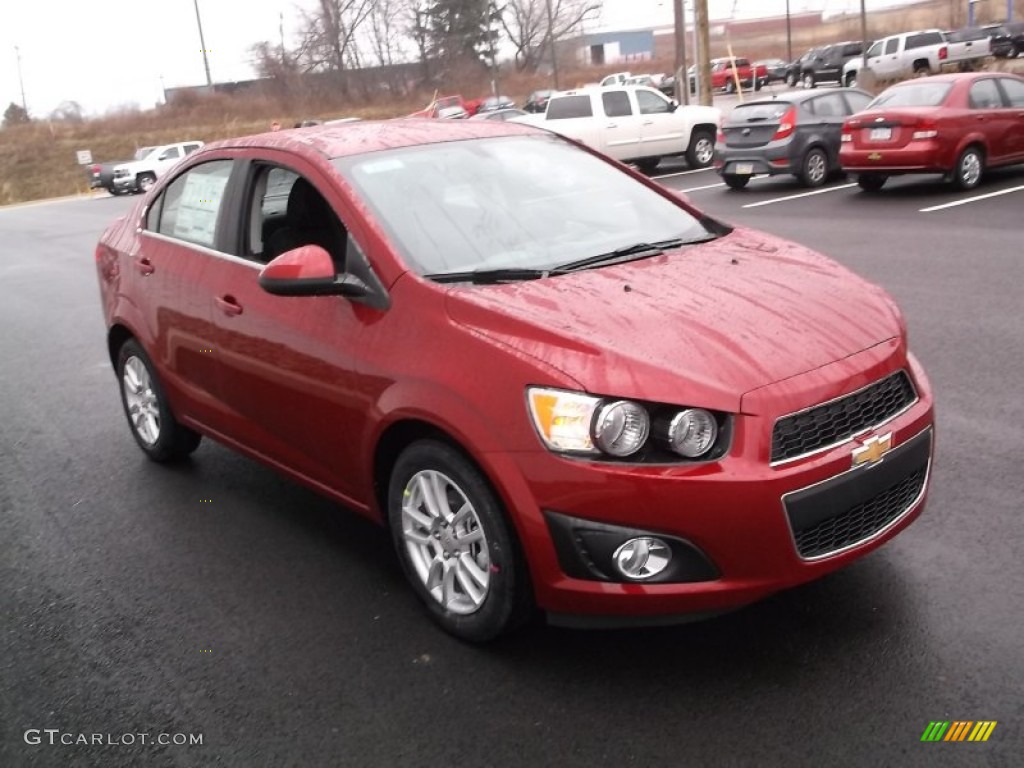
(219, 599)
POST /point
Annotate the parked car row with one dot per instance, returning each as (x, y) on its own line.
(141, 172)
(956, 125)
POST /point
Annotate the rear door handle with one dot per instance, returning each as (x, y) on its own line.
(229, 305)
(145, 266)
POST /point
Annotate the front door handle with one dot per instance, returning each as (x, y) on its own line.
(145, 266)
(229, 305)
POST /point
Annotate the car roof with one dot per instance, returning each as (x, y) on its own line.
(374, 135)
(798, 97)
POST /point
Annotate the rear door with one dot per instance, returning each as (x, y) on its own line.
(990, 115)
(621, 126)
(170, 266)
(889, 63)
(1013, 95)
(830, 111)
(663, 128)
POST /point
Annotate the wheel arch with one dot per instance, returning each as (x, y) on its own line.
(117, 335)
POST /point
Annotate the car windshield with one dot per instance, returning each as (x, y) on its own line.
(759, 112)
(913, 95)
(142, 152)
(519, 202)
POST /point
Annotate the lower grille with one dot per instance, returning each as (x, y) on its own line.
(860, 522)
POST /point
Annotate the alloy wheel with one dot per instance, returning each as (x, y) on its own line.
(141, 401)
(445, 542)
(704, 151)
(970, 169)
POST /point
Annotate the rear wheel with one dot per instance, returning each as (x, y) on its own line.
(735, 181)
(814, 169)
(144, 182)
(454, 543)
(791, 79)
(809, 81)
(921, 69)
(969, 169)
(153, 426)
(871, 182)
(701, 151)
(730, 86)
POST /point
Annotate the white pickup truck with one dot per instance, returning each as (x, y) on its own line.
(925, 52)
(632, 124)
(140, 174)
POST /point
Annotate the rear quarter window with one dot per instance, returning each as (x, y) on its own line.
(566, 107)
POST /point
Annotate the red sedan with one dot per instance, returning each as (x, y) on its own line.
(556, 383)
(956, 125)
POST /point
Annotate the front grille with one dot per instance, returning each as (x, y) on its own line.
(831, 423)
(862, 521)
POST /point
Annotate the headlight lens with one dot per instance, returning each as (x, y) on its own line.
(563, 418)
(691, 433)
(621, 428)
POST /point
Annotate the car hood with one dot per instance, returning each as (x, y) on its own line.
(700, 325)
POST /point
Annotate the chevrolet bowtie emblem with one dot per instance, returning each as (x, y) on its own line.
(872, 449)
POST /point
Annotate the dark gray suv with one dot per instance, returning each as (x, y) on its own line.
(794, 133)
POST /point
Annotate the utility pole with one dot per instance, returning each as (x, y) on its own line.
(864, 33)
(704, 61)
(551, 45)
(789, 36)
(202, 42)
(21, 81)
(495, 84)
(682, 81)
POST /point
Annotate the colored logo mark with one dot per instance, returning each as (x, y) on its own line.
(959, 730)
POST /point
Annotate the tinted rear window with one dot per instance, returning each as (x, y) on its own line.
(566, 107)
(965, 35)
(923, 39)
(913, 95)
(759, 113)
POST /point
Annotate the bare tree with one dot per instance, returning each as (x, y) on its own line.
(329, 34)
(526, 24)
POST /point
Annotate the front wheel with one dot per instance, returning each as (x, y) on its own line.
(701, 151)
(969, 169)
(454, 543)
(809, 81)
(735, 181)
(144, 182)
(871, 182)
(814, 170)
(791, 80)
(153, 426)
(851, 80)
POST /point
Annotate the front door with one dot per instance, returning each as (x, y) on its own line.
(663, 129)
(989, 115)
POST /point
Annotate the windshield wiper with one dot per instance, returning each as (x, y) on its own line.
(632, 252)
(487, 276)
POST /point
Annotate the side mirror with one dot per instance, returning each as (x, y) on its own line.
(309, 271)
(673, 105)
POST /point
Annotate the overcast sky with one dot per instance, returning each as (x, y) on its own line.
(105, 53)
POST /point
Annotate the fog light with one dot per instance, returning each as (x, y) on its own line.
(642, 558)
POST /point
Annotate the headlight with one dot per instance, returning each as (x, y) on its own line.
(621, 428)
(690, 433)
(563, 418)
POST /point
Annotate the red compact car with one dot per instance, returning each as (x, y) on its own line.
(956, 125)
(559, 385)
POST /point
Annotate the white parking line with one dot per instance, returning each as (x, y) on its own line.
(797, 197)
(974, 199)
(682, 173)
(698, 189)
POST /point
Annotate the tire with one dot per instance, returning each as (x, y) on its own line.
(809, 81)
(115, 191)
(871, 182)
(144, 181)
(759, 83)
(735, 181)
(921, 69)
(814, 168)
(701, 151)
(153, 426)
(647, 165)
(791, 79)
(851, 80)
(457, 549)
(970, 167)
(730, 86)
(1014, 53)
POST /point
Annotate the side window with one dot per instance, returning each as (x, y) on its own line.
(171, 153)
(892, 45)
(190, 148)
(858, 101)
(616, 104)
(985, 95)
(875, 50)
(831, 105)
(191, 203)
(567, 107)
(1014, 92)
(286, 211)
(651, 103)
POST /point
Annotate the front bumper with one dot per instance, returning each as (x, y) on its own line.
(124, 182)
(740, 518)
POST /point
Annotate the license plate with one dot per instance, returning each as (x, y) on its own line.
(743, 169)
(881, 134)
